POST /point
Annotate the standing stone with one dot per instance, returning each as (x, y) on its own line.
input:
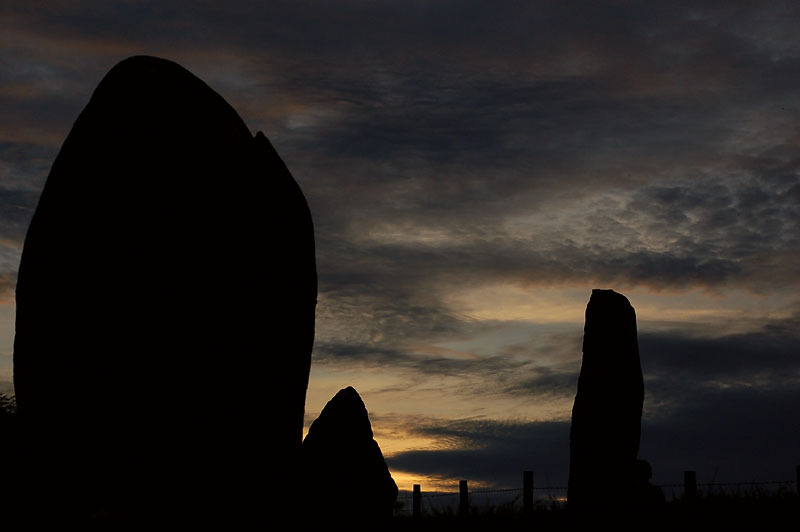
(607, 413)
(165, 306)
(344, 464)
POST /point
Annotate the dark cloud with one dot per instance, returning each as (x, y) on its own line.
(24, 167)
(545, 382)
(495, 452)
(737, 434)
(16, 211)
(727, 435)
(18, 199)
(725, 405)
(766, 357)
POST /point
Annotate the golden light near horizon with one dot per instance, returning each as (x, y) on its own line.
(567, 303)
(514, 302)
(405, 482)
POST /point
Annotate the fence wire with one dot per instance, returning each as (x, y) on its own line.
(480, 491)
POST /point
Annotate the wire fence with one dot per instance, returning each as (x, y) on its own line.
(482, 491)
(556, 495)
(787, 484)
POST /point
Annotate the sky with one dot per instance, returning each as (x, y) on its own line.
(474, 169)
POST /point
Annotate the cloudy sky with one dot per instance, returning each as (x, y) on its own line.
(474, 169)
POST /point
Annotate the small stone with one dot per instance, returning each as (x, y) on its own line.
(344, 466)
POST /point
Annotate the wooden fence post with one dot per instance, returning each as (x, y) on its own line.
(463, 503)
(417, 502)
(527, 492)
(797, 475)
(690, 485)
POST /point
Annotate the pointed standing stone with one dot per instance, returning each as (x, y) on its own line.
(340, 453)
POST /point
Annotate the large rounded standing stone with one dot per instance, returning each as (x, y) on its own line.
(165, 306)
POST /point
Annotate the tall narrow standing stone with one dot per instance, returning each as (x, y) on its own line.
(165, 307)
(607, 413)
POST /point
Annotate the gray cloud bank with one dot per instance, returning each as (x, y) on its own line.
(445, 145)
(668, 133)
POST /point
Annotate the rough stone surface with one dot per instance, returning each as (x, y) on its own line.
(607, 413)
(344, 465)
(165, 303)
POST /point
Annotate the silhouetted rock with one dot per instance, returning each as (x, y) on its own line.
(646, 498)
(165, 306)
(344, 466)
(607, 413)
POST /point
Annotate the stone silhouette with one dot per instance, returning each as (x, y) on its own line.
(344, 464)
(607, 413)
(165, 306)
(646, 498)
